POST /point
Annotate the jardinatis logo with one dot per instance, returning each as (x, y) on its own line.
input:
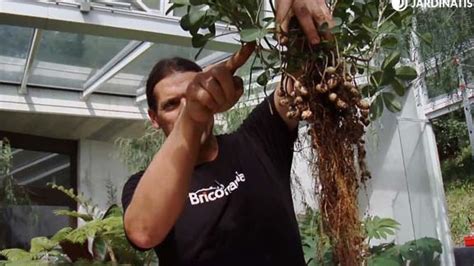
(213, 193)
(401, 5)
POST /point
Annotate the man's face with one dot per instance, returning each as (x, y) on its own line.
(168, 94)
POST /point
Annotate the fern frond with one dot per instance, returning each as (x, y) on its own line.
(42, 244)
(16, 254)
(75, 214)
(110, 225)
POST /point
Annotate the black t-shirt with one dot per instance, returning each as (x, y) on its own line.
(239, 209)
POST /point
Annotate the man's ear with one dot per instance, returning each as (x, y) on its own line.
(153, 118)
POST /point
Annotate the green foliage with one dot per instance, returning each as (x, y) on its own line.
(460, 201)
(424, 251)
(316, 246)
(5, 157)
(460, 167)
(137, 153)
(451, 134)
(91, 210)
(42, 250)
(457, 168)
(104, 228)
(366, 31)
(83, 216)
(16, 254)
(11, 193)
(452, 29)
(317, 249)
(379, 228)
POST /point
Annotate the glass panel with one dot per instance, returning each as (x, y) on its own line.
(418, 176)
(13, 51)
(180, 11)
(68, 59)
(26, 201)
(153, 4)
(21, 223)
(134, 75)
(35, 168)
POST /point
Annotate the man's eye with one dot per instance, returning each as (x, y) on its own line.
(170, 106)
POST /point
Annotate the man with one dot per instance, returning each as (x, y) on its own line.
(218, 200)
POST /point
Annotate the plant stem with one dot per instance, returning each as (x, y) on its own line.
(111, 253)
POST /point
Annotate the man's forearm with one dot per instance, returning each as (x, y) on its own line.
(160, 195)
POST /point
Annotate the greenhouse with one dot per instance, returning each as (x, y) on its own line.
(75, 125)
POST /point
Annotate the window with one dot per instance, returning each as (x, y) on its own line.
(26, 207)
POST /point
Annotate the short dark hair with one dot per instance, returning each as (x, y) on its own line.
(164, 68)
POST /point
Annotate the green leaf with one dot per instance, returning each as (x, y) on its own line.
(406, 73)
(41, 244)
(376, 108)
(368, 90)
(16, 254)
(195, 17)
(388, 76)
(184, 23)
(398, 87)
(391, 60)
(61, 234)
(252, 34)
(382, 261)
(113, 211)
(208, 21)
(376, 78)
(392, 104)
(199, 40)
(377, 227)
(389, 42)
(336, 29)
(390, 101)
(75, 214)
(262, 79)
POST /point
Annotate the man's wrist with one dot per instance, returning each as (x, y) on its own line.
(191, 127)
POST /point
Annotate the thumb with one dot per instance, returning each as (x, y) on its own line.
(183, 105)
(240, 57)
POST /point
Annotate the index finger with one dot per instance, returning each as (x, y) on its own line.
(240, 57)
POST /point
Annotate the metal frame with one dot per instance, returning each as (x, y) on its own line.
(33, 163)
(43, 175)
(108, 21)
(53, 101)
(132, 45)
(139, 4)
(466, 106)
(110, 71)
(140, 98)
(445, 103)
(213, 58)
(34, 44)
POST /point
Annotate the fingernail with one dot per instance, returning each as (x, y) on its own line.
(314, 41)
